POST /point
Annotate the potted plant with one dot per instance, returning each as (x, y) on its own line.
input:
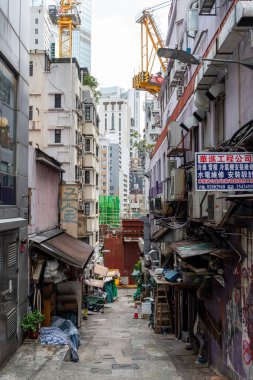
(30, 323)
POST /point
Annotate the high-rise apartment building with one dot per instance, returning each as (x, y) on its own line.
(40, 25)
(115, 121)
(65, 124)
(14, 92)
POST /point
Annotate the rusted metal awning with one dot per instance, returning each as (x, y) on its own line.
(186, 249)
(68, 249)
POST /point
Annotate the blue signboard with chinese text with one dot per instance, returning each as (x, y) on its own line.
(219, 171)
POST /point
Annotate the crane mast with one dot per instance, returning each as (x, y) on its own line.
(151, 41)
(66, 15)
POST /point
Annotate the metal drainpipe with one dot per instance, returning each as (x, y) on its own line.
(239, 88)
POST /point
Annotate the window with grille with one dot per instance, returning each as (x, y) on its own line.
(112, 121)
(52, 49)
(87, 209)
(87, 113)
(31, 69)
(57, 101)
(57, 136)
(30, 112)
(87, 145)
(87, 177)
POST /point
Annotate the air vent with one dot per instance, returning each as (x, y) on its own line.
(12, 254)
(11, 323)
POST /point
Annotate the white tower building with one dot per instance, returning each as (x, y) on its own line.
(115, 122)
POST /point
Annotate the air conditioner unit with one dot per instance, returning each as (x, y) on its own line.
(217, 207)
(195, 210)
(177, 73)
(169, 166)
(177, 184)
(174, 135)
(206, 6)
(180, 91)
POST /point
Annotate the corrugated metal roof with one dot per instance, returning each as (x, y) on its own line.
(68, 249)
(192, 248)
(187, 249)
(45, 235)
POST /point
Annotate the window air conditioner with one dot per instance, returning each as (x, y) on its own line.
(194, 205)
(177, 73)
(180, 91)
(169, 166)
(174, 135)
(217, 207)
(177, 184)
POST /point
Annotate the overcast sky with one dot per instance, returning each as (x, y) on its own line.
(116, 39)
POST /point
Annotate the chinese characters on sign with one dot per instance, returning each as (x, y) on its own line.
(69, 209)
(224, 171)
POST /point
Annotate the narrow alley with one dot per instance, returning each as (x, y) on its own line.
(114, 346)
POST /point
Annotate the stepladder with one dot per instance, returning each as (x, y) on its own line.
(163, 321)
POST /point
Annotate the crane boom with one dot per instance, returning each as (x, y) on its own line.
(151, 41)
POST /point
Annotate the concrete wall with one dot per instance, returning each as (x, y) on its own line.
(44, 191)
(14, 47)
(230, 311)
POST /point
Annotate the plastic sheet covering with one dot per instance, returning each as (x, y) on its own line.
(62, 332)
(54, 272)
(111, 290)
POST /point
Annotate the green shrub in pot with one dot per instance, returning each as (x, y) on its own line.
(31, 321)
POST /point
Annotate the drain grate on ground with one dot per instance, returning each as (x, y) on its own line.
(124, 366)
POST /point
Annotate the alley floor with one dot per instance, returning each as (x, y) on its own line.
(114, 346)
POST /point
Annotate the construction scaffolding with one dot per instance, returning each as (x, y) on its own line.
(109, 211)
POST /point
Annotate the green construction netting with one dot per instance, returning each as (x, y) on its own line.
(109, 210)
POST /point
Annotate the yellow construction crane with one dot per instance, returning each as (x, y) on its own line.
(151, 41)
(67, 17)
